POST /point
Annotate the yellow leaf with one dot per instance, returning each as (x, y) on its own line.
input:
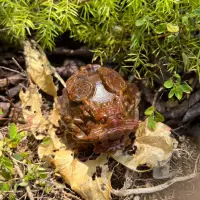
(31, 108)
(55, 116)
(83, 176)
(39, 68)
(153, 148)
(172, 28)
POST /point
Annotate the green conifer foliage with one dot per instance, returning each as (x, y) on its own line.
(142, 35)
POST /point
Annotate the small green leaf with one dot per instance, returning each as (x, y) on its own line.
(197, 20)
(23, 184)
(6, 173)
(197, 11)
(185, 20)
(171, 93)
(6, 162)
(17, 156)
(172, 28)
(140, 22)
(43, 175)
(13, 131)
(177, 76)
(171, 38)
(11, 197)
(151, 122)
(186, 88)
(149, 111)
(4, 187)
(169, 83)
(6, 167)
(185, 59)
(1, 111)
(161, 28)
(42, 183)
(179, 93)
(15, 187)
(159, 117)
(29, 177)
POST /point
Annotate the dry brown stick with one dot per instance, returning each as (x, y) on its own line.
(20, 173)
(156, 96)
(17, 64)
(157, 188)
(12, 70)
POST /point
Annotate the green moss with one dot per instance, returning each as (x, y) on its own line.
(141, 35)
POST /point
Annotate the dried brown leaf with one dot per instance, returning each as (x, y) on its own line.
(84, 178)
(31, 109)
(39, 68)
(90, 179)
(153, 148)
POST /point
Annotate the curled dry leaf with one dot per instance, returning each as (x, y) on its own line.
(90, 179)
(153, 148)
(53, 119)
(39, 68)
(31, 108)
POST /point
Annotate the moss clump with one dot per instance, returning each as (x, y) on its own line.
(142, 35)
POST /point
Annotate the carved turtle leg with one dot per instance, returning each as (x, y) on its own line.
(79, 134)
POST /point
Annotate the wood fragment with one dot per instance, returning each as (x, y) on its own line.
(15, 79)
(81, 52)
(12, 70)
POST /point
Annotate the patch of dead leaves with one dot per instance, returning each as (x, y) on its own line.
(91, 179)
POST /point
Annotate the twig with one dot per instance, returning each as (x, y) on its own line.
(156, 96)
(71, 195)
(20, 173)
(70, 52)
(12, 70)
(58, 76)
(180, 127)
(196, 163)
(18, 65)
(157, 188)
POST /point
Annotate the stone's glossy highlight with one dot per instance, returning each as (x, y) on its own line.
(99, 107)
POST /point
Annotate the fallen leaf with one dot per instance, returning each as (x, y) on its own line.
(55, 116)
(46, 148)
(39, 68)
(31, 109)
(90, 179)
(153, 148)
